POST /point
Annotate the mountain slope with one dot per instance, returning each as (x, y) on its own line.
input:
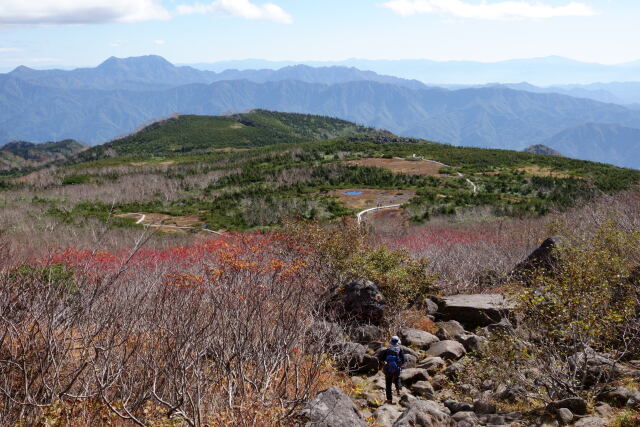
(201, 134)
(492, 116)
(600, 142)
(21, 155)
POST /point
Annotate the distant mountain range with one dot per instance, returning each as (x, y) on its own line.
(154, 72)
(96, 105)
(547, 71)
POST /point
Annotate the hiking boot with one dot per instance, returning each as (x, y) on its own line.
(390, 401)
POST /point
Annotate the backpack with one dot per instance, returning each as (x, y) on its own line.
(392, 360)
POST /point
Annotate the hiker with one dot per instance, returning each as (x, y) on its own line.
(393, 359)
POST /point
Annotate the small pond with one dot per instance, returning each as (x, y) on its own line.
(353, 193)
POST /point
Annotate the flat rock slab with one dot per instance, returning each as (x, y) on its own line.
(475, 310)
(447, 350)
(332, 408)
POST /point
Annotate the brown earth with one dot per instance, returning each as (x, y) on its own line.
(370, 198)
(407, 167)
(166, 223)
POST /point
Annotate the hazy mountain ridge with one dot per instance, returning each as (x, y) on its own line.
(489, 116)
(545, 71)
(154, 72)
(593, 141)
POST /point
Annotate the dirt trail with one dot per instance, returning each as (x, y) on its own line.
(378, 208)
(140, 221)
(473, 185)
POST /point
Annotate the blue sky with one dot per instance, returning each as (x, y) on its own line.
(45, 33)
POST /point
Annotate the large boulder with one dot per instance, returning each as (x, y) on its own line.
(577, 405)
(475, 310)
(424, 413)
(543, 259)
(331, 408)
(450, 330)
(433, 365)
(365, 334)
(621, 396)
(353, 357)
(423, 389)
(413, 375)
(360, 302)
(417, 338)
(447, 350)
(386, 415)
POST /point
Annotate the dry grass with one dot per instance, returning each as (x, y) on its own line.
(407, 167)
(370, 198)
(545, 172)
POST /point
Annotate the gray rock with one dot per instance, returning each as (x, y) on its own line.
(504, 326)
(410, 361)
(424, 413)
(455, 406)
(406, 399)
(353, 357)
(417, 337)
(576, 405)
(603, 409)
(482, 407)
(408, 350)
(513, 416)
(422, 389)
(386, 415)
(465, 419)
(509, 393)
(616, 396)
(331, 408)
(595, 367)
(360, 301)
(450, 330)
(365, 334)
(492, 419)
(591, 422)
(453, 370)
(432, 364)
(471, 342)
(565, 416)
(475, 310)
(413, 375)
(448, 350)
(439, 382)
(431, 307)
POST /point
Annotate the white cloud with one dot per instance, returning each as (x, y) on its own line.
(9, 49)
(242, 8)
(64, 12)
(159, 42)
(486, 10)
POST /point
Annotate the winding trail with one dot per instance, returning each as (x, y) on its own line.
(178, 227)
(471, 183)
(378, 208)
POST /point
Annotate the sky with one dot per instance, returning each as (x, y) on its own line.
(70, 33)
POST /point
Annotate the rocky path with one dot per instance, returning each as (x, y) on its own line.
(434, 372)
